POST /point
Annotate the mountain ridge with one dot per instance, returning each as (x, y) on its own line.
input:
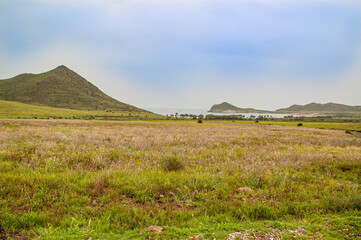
(62, 88)
(313, 107)
(226, 107)
(319, 107)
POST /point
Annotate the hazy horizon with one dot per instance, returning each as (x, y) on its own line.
(263, 54)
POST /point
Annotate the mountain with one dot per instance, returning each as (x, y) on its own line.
(61, 88)
(229, 108)
(318, 107)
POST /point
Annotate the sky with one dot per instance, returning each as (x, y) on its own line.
(266, 54)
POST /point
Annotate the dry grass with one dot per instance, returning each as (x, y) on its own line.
(137, 146)
(110, 172)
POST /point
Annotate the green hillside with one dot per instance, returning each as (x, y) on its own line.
(10, 109)
(317, 107)
(61, 88)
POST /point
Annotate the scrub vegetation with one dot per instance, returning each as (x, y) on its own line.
(11, 109)
(110, 180)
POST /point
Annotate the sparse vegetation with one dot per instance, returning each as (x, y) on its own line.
(105, 180)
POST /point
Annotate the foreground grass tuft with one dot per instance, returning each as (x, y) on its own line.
(172, 163)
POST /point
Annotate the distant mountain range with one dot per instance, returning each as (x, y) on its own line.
(296, 109)
(61, 88)
(321, 108)
(229, 108)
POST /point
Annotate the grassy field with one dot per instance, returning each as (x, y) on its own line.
(320, 125)
(216, 180)
(9, 109)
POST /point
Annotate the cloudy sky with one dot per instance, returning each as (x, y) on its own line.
(265, 54)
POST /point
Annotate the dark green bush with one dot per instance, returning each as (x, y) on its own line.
(341, 203)
(354, 202)
(261, 212)
(344, 167)
(172, 163)
(299, 125)
(200, 121)
(334, 204)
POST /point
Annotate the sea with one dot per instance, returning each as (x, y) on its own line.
(204, 112)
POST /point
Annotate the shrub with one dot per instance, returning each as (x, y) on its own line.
(354, 202)
(172, 163)
(261, 212)
(200, 121)
(299, 125)
(342, 203)
(334, 204)
(344, 167)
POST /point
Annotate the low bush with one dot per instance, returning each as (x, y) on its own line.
(354, 202)
(341, 203)
(172, 163)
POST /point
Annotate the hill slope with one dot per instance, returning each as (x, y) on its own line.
(317, 107)
(62, 88)
(229, 108)
(11, 109)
